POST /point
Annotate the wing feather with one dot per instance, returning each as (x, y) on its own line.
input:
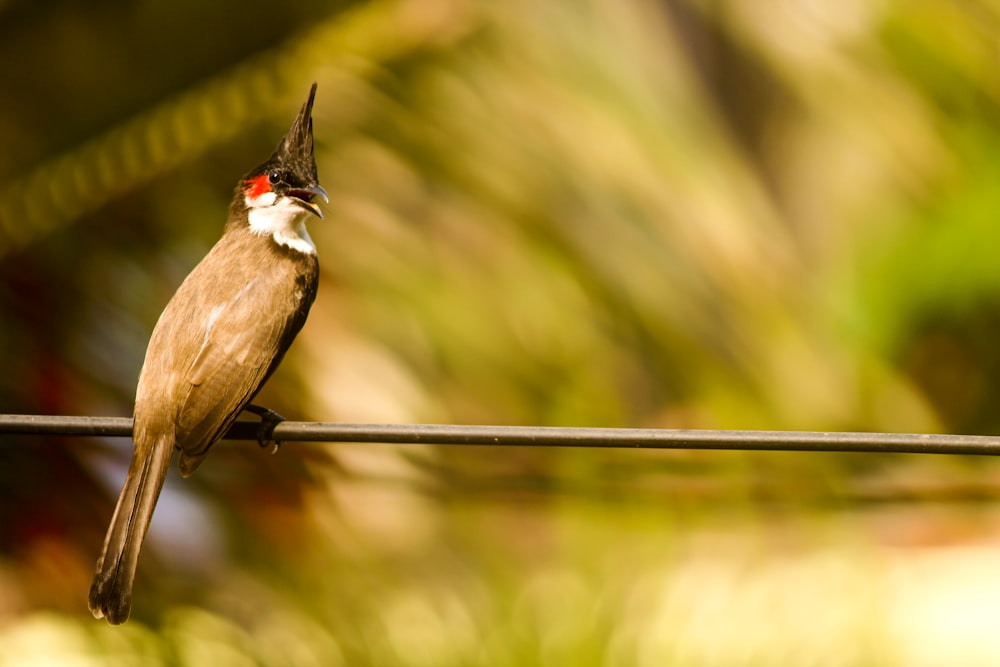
(228, 370)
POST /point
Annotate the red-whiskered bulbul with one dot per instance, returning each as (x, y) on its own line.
(217, 341)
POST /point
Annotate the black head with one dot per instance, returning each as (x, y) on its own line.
(291, 169)
(295, 152)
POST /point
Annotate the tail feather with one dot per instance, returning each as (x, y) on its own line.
(111, 591)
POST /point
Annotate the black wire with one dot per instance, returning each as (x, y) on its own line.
(542, 436)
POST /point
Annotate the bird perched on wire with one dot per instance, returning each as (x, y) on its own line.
(218, 340)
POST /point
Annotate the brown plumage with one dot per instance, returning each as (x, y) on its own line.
(218, 340)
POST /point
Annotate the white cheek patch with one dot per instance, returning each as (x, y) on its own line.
(282, 219)
(266, 199)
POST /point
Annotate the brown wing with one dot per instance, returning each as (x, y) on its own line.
(237, 353)
(247, 339)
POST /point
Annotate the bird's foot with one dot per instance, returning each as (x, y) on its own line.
(265, 431)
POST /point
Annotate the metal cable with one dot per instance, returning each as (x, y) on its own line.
(542, 436)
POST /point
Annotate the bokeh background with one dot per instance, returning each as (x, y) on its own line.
(677, 213)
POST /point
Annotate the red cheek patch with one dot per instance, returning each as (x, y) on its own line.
(256, 186)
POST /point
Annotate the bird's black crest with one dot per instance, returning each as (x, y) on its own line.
(295, 152)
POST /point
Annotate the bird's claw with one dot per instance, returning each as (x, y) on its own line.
(269, 419)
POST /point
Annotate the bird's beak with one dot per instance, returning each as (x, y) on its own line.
(304, 197)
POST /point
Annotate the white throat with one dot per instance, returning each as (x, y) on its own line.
(282, 219)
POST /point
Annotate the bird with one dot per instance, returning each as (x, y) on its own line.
(219, 338)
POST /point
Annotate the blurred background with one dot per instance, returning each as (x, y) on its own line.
(676, 213)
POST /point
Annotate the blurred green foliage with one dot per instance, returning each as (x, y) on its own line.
(683, 213)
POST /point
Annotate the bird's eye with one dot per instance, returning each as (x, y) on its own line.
(274, 177)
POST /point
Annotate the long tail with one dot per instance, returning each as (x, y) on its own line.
(111, 592)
